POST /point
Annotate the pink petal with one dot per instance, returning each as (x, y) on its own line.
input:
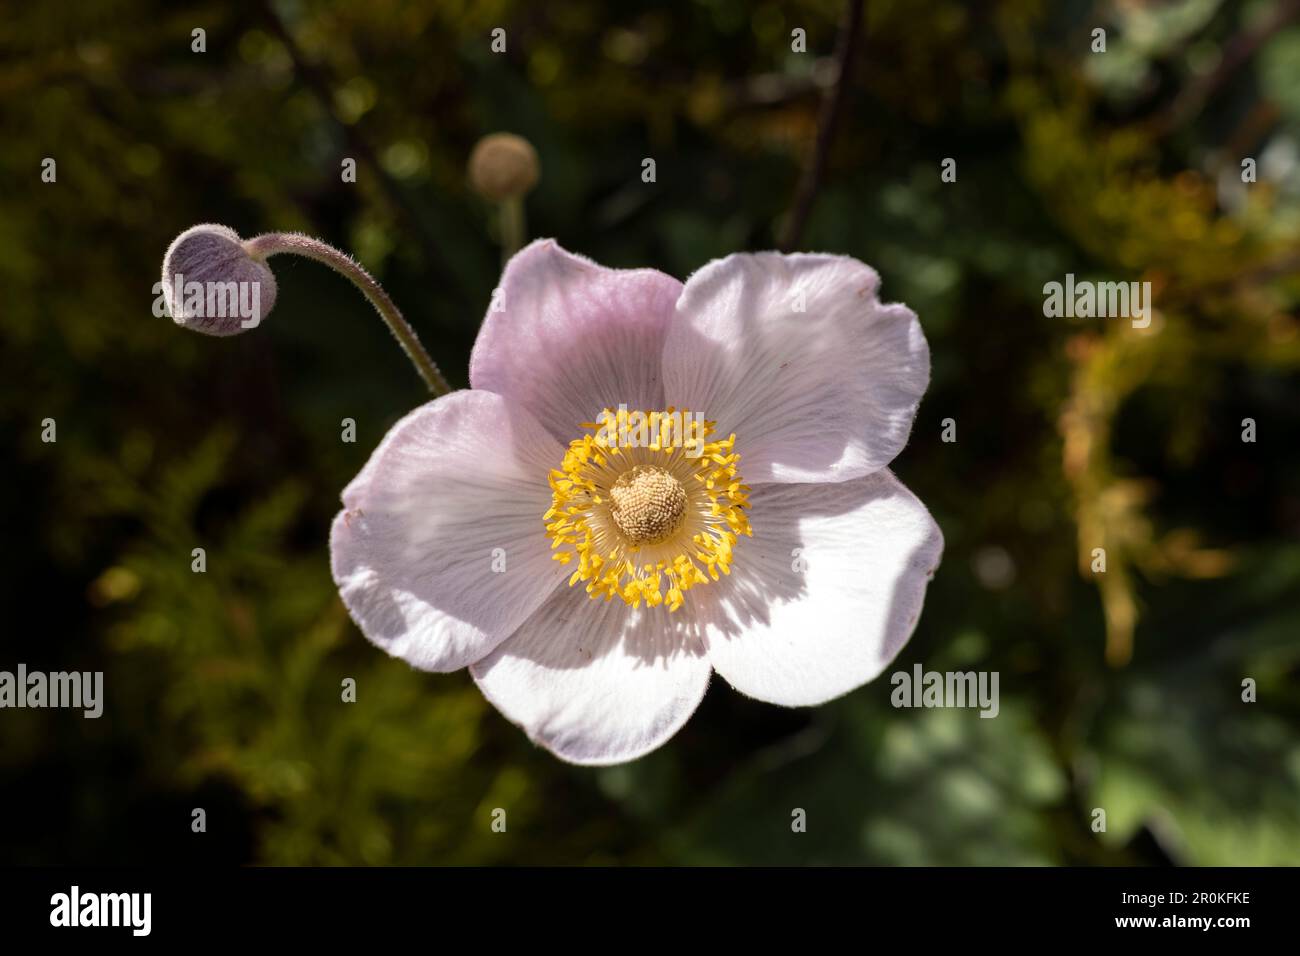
(825, 394)
(413, 550)
(802, 637)
(574, 337)
(597, 682)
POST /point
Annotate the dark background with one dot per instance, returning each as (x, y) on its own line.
(1119, 691)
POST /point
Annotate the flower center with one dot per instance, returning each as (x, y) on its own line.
(648, 505)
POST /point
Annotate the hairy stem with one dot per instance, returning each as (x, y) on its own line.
(274, 243)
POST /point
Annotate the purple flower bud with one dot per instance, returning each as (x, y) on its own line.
(212, 285)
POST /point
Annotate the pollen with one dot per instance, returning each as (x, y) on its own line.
(647, 506)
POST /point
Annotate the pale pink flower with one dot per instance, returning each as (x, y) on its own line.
(797, 583)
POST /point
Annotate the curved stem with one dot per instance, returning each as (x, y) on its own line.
(273, 243)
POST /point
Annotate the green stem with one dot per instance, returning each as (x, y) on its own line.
(512, 227)
(274, 243)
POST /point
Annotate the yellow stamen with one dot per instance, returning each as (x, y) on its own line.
(650, 519)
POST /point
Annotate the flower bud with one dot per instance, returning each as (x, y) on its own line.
(212, 285)
(503, 166)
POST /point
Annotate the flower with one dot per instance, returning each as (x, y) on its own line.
(592, 566)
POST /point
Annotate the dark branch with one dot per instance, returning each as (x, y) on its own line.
(313, 76)
(846, 49)
(1235, 55)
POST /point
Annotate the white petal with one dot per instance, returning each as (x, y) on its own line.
(824, 394)
(572, 338)
(596, 682)
(802, 637)
(413, 550)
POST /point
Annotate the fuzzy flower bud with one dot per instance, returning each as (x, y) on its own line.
(212, 285)
(503, 166)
